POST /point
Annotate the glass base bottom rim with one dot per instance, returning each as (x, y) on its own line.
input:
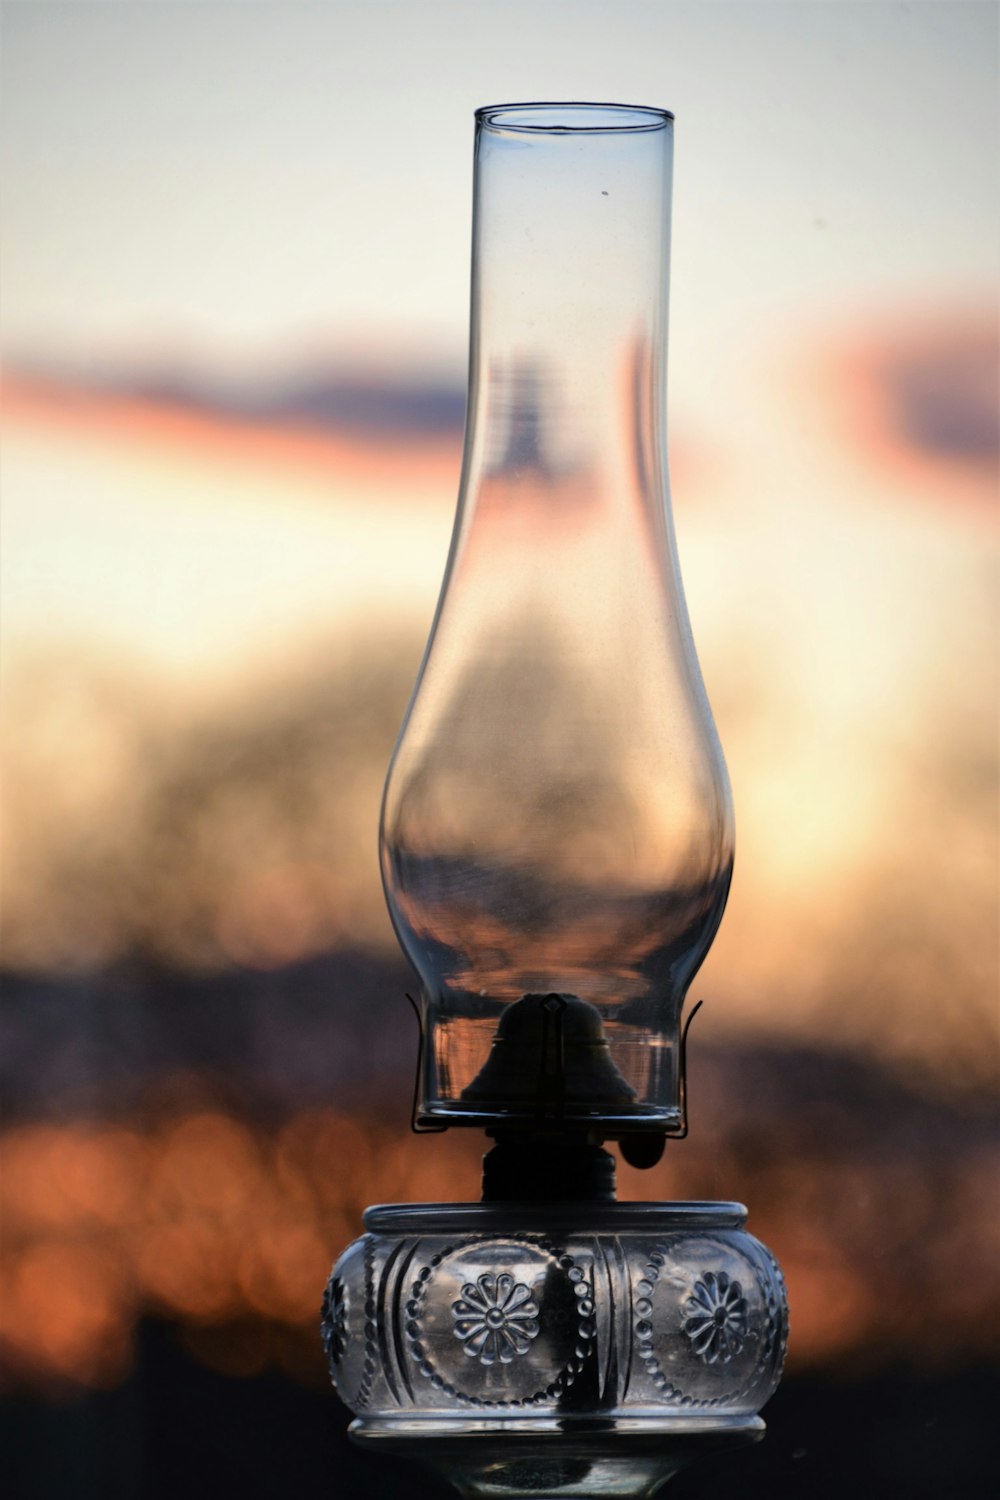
(580, 1431)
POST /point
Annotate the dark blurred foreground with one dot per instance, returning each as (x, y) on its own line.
(175, 1428)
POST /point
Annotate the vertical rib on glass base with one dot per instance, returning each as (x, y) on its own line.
(608, 1343)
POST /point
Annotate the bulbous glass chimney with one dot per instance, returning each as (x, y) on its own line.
(557, 833)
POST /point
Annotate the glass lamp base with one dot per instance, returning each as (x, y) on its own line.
(556, 1349)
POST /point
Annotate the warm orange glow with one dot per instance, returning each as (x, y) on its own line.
(206, 1219)
(834, 1304)
(205, 1163)
(188, 1267)
(52, 1178)
(68, 1312)
(230, 1230)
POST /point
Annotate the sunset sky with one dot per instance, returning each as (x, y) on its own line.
(253, 191)
(232, 198)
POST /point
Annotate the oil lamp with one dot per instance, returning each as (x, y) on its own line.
(556, 847)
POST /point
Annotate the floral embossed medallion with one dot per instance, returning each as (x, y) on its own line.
(495, 1319)
(499, 1323)
(716, 1318)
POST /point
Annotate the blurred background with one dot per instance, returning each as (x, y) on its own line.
(235, 293)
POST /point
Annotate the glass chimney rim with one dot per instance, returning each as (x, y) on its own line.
(572, 117)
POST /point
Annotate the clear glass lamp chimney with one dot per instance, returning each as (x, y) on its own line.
(557, 831)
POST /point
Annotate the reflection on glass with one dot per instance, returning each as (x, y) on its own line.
(557, 816)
